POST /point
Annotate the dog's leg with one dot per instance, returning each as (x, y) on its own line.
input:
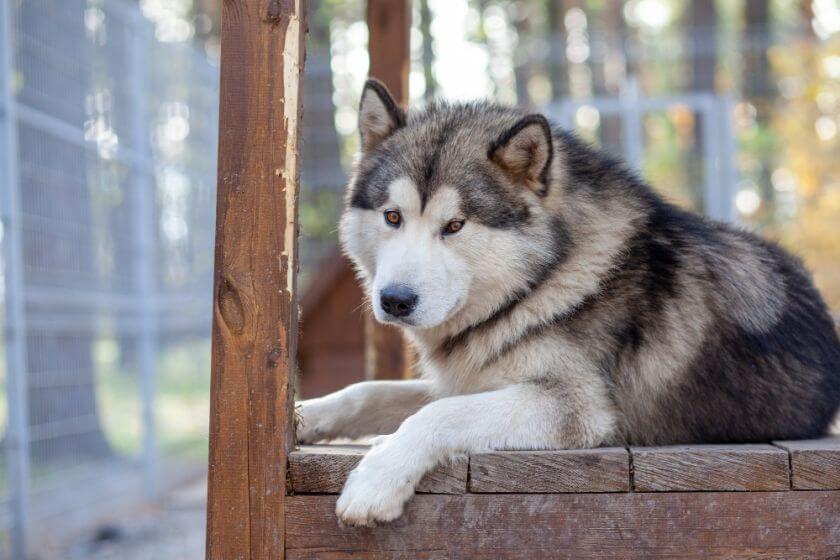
(361, 409)
(532, 415)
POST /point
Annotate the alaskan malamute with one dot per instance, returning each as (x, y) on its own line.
(556, 301)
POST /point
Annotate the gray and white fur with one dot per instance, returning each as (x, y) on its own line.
(556, 301)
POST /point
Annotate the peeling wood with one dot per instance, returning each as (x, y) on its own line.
(255, 308)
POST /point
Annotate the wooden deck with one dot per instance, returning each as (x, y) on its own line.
(778, 500)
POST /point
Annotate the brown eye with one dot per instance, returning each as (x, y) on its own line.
(453, 227)
(393, 218)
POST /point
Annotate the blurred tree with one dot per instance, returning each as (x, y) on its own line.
(557, 64)
(320, 156)
(609, 66)
(521, 17)
(806, 182)
(759, 90)
(428, 50)
(63, 414)
(322, 176)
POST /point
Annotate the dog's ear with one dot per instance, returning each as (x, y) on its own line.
(525, 151)
(379, 114)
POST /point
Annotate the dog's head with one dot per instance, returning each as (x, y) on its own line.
(446, 212)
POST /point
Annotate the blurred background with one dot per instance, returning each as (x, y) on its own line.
(108, 131)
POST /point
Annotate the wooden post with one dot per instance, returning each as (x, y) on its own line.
(254, 306)
(389, 28)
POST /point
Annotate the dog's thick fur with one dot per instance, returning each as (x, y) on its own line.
(574, 308)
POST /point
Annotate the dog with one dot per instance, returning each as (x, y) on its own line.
(556, 301)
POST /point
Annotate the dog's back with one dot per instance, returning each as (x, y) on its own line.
(718, 336)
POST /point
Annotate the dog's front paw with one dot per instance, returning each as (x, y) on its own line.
(367, 500)
(314, 421)
(375, 492)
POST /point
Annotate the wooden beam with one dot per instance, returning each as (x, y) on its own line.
(254, 306)
(549, 526)
(389, 29)
(323, 469)
(756, 467)
(575, 470)
(814, 464)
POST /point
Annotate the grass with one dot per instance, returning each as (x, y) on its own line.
(181, 407)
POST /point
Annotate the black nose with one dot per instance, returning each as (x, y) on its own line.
(397, 300)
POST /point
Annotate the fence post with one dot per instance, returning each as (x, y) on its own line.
(17, 436)
(143, 198)
(255, 309)
(728, 172)
(633, 123)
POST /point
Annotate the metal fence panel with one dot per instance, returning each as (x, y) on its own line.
(108, 159)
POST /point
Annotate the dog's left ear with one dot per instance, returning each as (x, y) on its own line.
(525, 152)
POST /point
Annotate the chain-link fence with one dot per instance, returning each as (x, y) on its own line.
(107, 186)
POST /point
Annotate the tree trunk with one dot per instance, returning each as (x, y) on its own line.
(322, 177)
(428, 50)
(321, 156)
(558, 70)
(758, 90)
(59, 248)
(609, 69)
(522, 60)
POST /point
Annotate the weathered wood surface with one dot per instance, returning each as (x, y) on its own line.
(814, 464)
(586, 470)
(710, 467)
(323, 469)
(536, 526)
(254, 306)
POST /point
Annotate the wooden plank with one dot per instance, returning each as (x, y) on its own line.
(538, 526)
(389, 31)
(254, 306)
(710, 467)
(323, 469)
(814, 464)
(579, 470)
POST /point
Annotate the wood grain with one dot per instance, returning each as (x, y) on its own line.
(323, 469)
(542, 526)
(582, 470)
(710, 467)
(815, 464)
(255, 309)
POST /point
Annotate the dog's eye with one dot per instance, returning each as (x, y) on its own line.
(453, 227)
(393, 218)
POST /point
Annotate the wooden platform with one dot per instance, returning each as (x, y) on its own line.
(779, 500)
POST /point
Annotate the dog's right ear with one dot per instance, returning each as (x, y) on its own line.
(379, 114)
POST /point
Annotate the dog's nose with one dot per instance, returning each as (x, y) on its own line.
(397, 300)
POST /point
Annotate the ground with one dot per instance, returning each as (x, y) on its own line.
(172, 529)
